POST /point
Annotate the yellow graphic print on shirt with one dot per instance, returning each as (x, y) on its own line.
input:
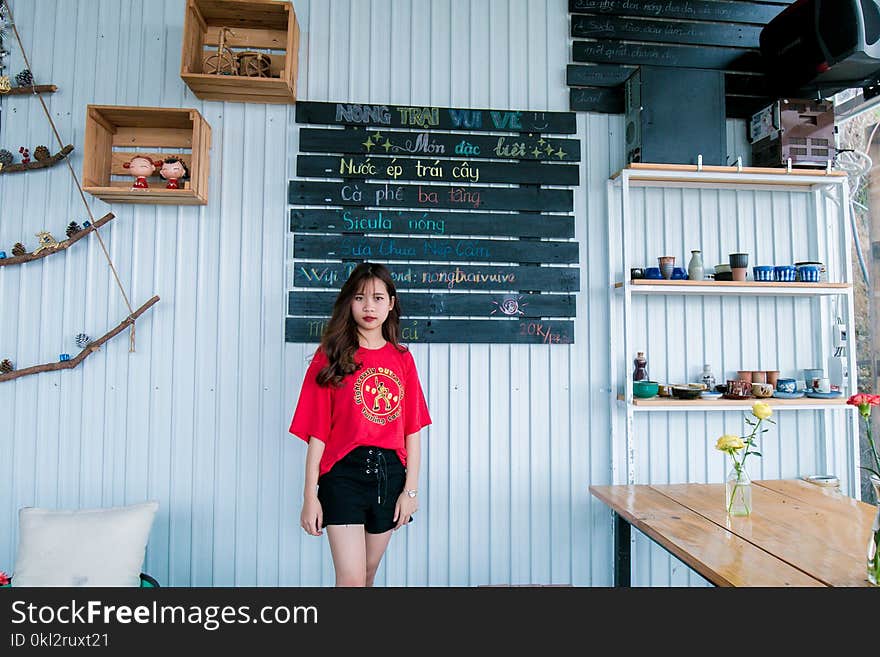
(378, 391)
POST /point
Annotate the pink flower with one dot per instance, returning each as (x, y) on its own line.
(4, 578)
(864, 399)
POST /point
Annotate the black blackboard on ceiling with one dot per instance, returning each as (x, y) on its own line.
(470, 209)
(611, 38)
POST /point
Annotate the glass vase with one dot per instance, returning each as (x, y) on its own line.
(738, 492)
(874, 540)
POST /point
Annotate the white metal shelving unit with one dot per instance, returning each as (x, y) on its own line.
(821, 185)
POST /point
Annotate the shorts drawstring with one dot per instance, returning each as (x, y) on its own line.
(381, 472)
(381, 477)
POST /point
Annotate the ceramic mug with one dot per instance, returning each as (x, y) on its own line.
(739, 388)
(811, 377)
(786, 385)
(762, 390)
(823, 385)
(636, 273)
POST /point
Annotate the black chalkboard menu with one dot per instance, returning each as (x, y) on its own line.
(470, 209)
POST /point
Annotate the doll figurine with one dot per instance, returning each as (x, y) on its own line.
(140, 167)
(173, 169)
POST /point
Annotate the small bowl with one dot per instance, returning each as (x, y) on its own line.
(679, 274)
(645, 389)
(724, 276)
(722, 269)
(685, 392)
(653, 273)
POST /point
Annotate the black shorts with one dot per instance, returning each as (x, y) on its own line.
(362, 489)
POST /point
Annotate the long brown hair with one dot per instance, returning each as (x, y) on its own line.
(340, 338)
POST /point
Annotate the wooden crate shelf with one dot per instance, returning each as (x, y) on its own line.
(265, 26)
(115, 133)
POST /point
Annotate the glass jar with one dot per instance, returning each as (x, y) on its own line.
(873, 555)
(738, 492)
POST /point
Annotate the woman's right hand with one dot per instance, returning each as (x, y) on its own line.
(312, 516)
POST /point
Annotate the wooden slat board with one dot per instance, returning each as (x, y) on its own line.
(439, 144)
(406, 276)
(688, 10)
(798, 533)
(435, 118)
(383, 249)
(476, 331)
(356, 218)
(426, 304)
(722, 558)
(432, 169)
(640, 29)
(428, 197)
(794, 530)
(351, 220)
(607, 51)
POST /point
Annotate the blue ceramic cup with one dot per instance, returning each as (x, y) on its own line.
(786, 385)
(786, 273)
(808, 273)
(764, 273)
(653, 273)
(679, 274)
(2, 254)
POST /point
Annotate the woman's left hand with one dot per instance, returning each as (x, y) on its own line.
(403, 510)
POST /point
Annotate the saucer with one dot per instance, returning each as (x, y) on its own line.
(710, 395)
(824, 395)
(730, 395)
(788, 395)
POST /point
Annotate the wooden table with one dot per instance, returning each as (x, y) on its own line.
(799, 534)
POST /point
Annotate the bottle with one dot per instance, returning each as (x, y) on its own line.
(641, 371)
(708, 378)
(695, 266)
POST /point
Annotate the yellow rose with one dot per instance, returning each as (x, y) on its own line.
(729, 442)
(762, 410)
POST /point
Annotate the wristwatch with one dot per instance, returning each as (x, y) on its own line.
(412, 492)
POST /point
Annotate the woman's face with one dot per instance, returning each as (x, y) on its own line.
(371, 305)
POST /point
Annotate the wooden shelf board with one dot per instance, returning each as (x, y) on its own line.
(657, 286)
(672, 404)
(687, 173)
(157, 195)
(23, 91)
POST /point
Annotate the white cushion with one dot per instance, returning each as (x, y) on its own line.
(88, 547)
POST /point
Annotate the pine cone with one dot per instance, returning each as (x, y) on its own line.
(18, 249)
(6, 366)
(82, 340)
(5, 157)
(73, 228)
(24, 79)
(41, 153)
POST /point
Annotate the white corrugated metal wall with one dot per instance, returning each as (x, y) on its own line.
(197, 417)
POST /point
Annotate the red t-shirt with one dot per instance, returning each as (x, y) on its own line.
(379, 405)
